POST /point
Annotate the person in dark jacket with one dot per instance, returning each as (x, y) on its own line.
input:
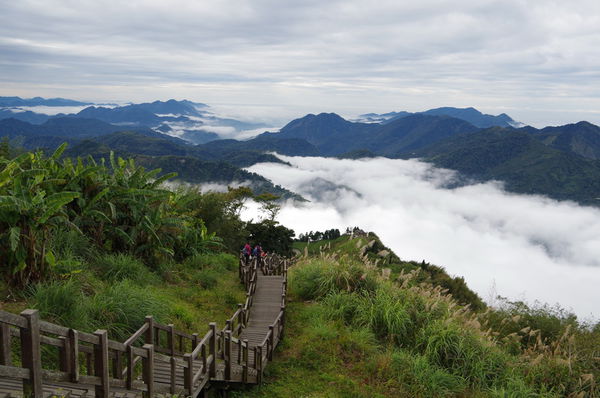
(246, 251)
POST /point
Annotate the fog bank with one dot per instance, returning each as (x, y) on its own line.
(521, 247)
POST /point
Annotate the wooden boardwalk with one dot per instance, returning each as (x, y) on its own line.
(157, 359)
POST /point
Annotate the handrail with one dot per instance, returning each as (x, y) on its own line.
(92, 359)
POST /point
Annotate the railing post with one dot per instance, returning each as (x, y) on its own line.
(213, 348)
(282, 322)
(149, 336)
(5, 345)
(118, 365)
(188, 376)
(227, 355)
(171, 338)
(259, 366)
(203, 356)
(64, 359)
(271, 342)
(173, 389)
(101, 364)
(130, 367)
(245, 362)
(74, 354)
(240, 318)
(148, 370)
(194, 342)
(31, 354)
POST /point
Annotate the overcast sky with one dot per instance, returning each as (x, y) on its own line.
(536, 60)
(518, 246)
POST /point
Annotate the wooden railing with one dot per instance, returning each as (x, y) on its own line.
(91, 359)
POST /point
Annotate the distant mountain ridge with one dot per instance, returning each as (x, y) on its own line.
(470, 115)
(561, 162)
(192, 121)
(332, 135)
(39, 101)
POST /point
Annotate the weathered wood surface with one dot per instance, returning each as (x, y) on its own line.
(156, 359)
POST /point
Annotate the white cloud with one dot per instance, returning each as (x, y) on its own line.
(529, 246)
(51, 110)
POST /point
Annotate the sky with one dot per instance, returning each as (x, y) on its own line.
(522, 247)
(536, 60)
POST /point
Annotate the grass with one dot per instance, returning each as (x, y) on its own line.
(116, 292)
(118, 267)
(353, 333)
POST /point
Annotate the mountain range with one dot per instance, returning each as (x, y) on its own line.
(192, 121)
(471, 115)
(561, 162)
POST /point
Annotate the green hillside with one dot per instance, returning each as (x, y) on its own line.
(522, 162)
(363, 323)
(97, 246)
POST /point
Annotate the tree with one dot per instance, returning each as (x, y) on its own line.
(272, 236)
(269, 205)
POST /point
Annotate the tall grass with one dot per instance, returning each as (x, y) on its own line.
(439, 348)
(204, 270)
(61, 302)
(319, 277)
(118, 267)
(123, 306)
(120, 307)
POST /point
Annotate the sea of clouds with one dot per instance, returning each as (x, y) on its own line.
(521, 247)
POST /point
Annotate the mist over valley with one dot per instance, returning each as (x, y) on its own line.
(522, 247)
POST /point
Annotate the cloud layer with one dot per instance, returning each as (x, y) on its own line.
(523, 247)
(536, 60)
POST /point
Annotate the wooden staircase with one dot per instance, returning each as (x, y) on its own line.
(157, 359)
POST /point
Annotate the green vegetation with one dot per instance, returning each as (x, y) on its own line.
(523, 162)
(95, 245)
(355, 329)
(101, 246)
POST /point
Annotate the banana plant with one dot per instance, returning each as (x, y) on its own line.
(28, 214)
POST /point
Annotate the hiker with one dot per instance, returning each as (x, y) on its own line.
(257, 252)
(246, 252)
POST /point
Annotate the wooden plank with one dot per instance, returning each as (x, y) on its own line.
(136, 335)
(13, 319)
(14, 372)
(48, 327)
